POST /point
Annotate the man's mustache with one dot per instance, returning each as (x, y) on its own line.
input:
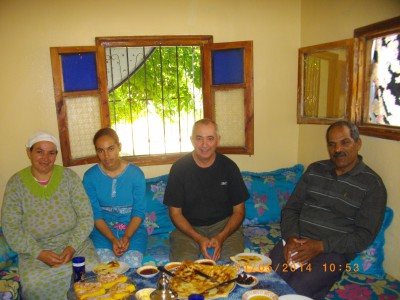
(339, 154)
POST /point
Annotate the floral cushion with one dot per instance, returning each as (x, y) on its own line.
(370, 261)
(8, 257)
(157, 219)
(157, 252)
(356, 286)
(269, 192)
(261, 238)
(10, 287)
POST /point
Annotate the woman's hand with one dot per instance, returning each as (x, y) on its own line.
(50, 258)
(67, 254)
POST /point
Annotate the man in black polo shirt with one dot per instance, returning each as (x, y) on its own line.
(335, 211)
(205, 194)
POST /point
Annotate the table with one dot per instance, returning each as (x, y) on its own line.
(268, 281)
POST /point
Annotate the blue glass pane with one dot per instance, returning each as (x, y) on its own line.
(227, 66)
(79, 72)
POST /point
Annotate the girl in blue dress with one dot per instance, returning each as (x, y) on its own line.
(116, 191)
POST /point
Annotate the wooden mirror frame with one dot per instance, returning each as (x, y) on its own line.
(348, 46)
(362, 35)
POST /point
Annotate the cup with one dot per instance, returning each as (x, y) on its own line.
(196, 297)
(210, 251)
(78, 268)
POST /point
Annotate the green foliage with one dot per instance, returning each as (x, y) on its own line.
(167, 82)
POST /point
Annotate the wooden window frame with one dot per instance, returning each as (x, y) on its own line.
(60, 95)
(247, 85)
(204, 41)
(361, 106)
(357, 108)
(348, 46)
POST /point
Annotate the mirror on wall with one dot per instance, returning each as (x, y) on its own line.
(325, 82)
(378, 90)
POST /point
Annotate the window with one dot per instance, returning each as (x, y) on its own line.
(325, 82)
(153, 101)
(154, 97)
(378, 93)
(369, 96)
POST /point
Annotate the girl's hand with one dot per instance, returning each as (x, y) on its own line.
(117, 246)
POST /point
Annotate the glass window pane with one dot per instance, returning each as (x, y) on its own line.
(228, 66)
(79, 72)
(230, 121)
(83, 122)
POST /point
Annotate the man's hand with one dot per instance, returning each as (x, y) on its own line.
(204, 244)
(231, 226)
(50, 258)
(216, 243)
(302, 250)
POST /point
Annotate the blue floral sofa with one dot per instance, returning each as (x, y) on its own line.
(269, 192)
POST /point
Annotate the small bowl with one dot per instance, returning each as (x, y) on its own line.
(268, 295)
(147, 271)
(172, 266)
(247, 286)
(205, 261)
(144, 294)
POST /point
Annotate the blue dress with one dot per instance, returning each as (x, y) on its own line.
(117, 200)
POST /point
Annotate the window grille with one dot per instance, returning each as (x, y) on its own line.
(153, 98)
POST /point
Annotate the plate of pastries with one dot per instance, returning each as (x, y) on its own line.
(110, 286)
(187, 280)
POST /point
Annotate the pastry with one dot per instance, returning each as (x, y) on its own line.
(196, 284)
(109, 280)
(84, 290)
(106, 268)
(122, 290)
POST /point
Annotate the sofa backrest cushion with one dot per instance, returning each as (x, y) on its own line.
(269, 192)
(157, 217)
(370, 261)
(8, 257)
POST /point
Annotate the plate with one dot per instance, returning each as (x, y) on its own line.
(123, 267)
(247, 286)
(253, 262)
(250, 294)
(198, 284)
(294, 297)
(214, 294)
(144, 294)
(205, 261)
(148, 271)
(71, 293)
(171, 266)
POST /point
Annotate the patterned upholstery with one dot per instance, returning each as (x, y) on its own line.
(269, 192)
(10, 288)
(356, 286)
